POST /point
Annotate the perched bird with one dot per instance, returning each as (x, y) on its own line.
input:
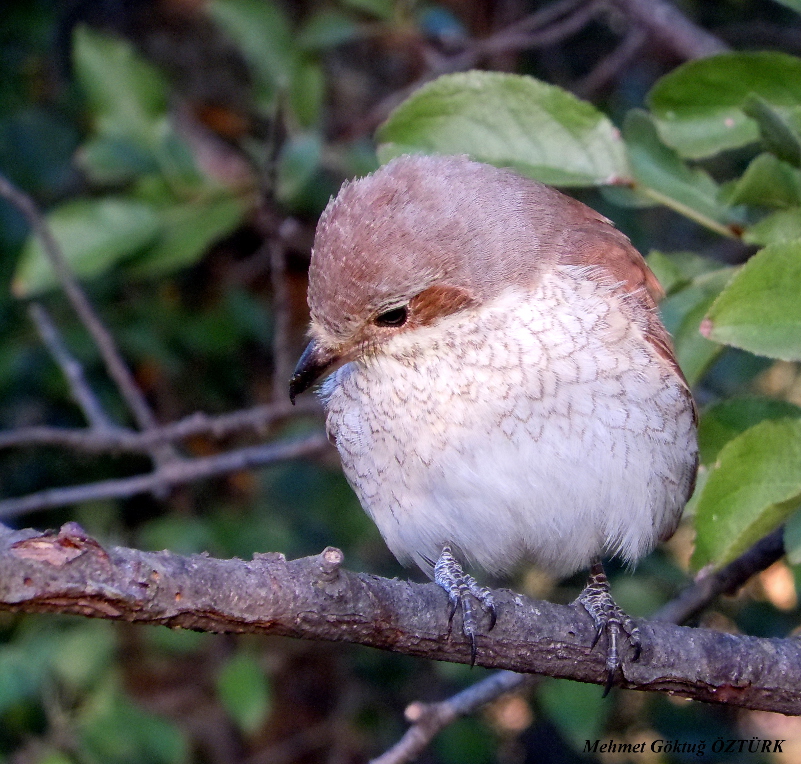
(500, 387)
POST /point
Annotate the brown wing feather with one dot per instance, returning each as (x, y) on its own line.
(598, 244)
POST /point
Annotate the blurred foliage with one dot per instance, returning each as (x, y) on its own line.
(167, 140)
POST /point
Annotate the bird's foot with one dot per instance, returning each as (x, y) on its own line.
(463, 590)
(608, 617)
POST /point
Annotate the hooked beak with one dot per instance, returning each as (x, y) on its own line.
(312, 365)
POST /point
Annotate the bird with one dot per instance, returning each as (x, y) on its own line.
(497, 381)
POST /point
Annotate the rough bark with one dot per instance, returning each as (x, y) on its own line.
(314, 598)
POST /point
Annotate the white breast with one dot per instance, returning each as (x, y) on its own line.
(540, 426)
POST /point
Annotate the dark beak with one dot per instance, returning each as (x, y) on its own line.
(312, 365)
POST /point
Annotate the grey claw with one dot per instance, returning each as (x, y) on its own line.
(608, 617)
(464, 591)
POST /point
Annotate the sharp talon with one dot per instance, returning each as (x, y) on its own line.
(608, 617)
(609, 684)
(493, 617)
(463, 591)
(452, 604)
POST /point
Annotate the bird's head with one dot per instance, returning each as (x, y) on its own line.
(420, 239)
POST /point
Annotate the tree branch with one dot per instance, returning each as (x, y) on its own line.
(168, 475)
(314, 598)
(124, 440)
(115, 365)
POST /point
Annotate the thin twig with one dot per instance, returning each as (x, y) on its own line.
(516, 39)
(672, 28)
(540, 29)
(72, 370)
(727, 580)
(429, 719)
(166, 476)
(123, 440)
(609, 67)
(115, 365)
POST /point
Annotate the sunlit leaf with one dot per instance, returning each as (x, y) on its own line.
(778, 135)
(784, 225)
(753, 487)
(760, 310)
(510, 121)
(767, 182)
(661, 175)
(699, 106)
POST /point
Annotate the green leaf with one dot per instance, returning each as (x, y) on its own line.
(675, 270)
(84, 652)
(777, 134)
(728, 419)
(327, 29)
(94, 235)
(308, 93)
(574, 708)
(784, 225)
(683, 312)
(662, 176)
(792, 539)
(767, 182)
(379, 9)
(760, 310)
(297, 165)
(127, 95)
(114, 160)
(262, 31)
(177, 161)
(24, 670)
(793, 4)
(187, 232)
(115, 731)
(699, 106)
(754, 486)
(510, 121)
(666, 271)
(244, 692)
(466, 741)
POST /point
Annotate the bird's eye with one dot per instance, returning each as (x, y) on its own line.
(394, 317)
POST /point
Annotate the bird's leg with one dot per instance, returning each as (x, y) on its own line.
(462, 590)
(608, 617)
